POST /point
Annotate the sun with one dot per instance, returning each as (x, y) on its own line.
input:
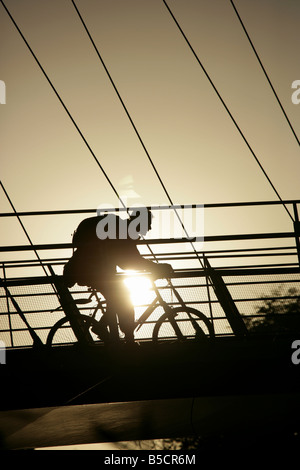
(140, 288)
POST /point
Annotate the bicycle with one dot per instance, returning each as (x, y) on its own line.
(174, 317)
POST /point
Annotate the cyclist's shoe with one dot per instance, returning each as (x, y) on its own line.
(101, 331)
(129, 338)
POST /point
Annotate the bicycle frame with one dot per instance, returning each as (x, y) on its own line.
(168, 310)
(159, 301)
(169, 316)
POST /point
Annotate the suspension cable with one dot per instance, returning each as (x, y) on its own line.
(226, 108)
(63, 104)
(134, 127)
(23, 227)
(120, 98)
(69, 114)
(264, 71)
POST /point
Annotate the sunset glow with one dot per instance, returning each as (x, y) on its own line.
(140, 288)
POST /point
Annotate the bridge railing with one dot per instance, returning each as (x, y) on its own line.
(261, 272)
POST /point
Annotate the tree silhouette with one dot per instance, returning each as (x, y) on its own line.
(277, 314)
(182, 443)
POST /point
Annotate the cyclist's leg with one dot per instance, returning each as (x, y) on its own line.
(118, 304)
(124, 310)
(106, 289)
(111, 321)
(100, 329)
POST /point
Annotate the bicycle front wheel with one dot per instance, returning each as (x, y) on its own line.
(182, 324)
(62, 333)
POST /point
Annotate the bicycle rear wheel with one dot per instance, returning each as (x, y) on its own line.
(182, 323)
(62, 333)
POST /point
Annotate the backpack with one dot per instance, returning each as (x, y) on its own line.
(84, 239)
(85, 232)
(71, 272)
(88, 247)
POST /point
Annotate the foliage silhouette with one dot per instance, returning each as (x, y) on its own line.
(278, 313)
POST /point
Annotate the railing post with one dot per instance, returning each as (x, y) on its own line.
(224, 297)
(297, 230)
(8, 308)
(71, 311)
(208, 293)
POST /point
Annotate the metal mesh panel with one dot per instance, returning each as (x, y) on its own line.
(252, 294)
(262, 299)
(36, 303)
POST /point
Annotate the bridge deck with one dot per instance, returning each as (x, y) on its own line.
(71, 395)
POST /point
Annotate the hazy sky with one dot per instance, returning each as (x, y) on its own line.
(194, 145)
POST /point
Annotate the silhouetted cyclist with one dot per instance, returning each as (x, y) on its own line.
(102, 243)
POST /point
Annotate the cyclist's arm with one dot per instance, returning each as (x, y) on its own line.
(134, 260)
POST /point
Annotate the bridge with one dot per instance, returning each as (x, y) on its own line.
(243, 380)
